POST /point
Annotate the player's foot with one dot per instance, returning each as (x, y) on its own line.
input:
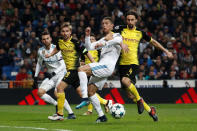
(87, 113)
(71, 116)
(56, 118)
(101, 119)
(140, 106)
(54, 115)
(108, 105)
(82, 104)
(152, 113)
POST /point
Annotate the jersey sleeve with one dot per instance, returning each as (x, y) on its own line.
(39, 64)
(146, 37)
(79, 47)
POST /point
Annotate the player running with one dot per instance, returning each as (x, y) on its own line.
(71, 51)
(56, 70)
(99, 71)
(129, 64)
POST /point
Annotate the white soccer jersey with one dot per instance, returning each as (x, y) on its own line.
(54, 63)
(110, 52)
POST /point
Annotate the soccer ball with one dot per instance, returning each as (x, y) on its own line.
(117, 110)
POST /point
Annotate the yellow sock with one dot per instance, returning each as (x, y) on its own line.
(134, 91)
(60, 103)
(90, 107)
(102, 101)
(146, 106)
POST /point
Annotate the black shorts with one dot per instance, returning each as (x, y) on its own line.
(129, 71)
(72, 78)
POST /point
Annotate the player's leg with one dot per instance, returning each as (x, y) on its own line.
(127, 75)
(60, 101)
(151, 110)
(45, 86)
(89, 111)
(105, 102)
(67, 107)
(83, 72)
(102, 101)
(95, 101)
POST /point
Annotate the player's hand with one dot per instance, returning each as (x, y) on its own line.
(47, 55)
(109, 36)
(98, 45)
(35, 84)
(124, 47)
(169, 54)
(87, 31)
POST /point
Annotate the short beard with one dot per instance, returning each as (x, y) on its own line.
(130, 26)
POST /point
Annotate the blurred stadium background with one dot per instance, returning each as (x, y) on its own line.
(160, 80)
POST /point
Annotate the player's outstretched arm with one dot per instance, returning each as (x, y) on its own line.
(55, 51)
(158, 45)
(90, 57)
(124, 47)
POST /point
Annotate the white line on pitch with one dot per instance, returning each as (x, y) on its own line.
(35, 128)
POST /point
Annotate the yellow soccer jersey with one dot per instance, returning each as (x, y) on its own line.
(94, 54)
(132, 38)
(71, 51)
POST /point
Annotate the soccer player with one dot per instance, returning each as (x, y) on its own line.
(99, 71)
(95, 55)
(56, 70)
(128, 67)
(71, 50)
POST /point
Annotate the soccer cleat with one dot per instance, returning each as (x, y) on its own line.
(54, 115)
(56, 118)
(101, 119)
(140, 106)
(82, 104)
(108, 106)
(87, 113)
(152, 113)
(71, 116)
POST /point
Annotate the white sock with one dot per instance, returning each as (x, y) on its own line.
(49, 99)
(96, 103)
(83, 84)
(67, 107)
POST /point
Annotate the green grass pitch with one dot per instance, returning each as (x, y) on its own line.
(172, 117)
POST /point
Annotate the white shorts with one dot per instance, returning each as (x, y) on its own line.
(47, 84)
(100, 70)
(98, 82)
(100, 73)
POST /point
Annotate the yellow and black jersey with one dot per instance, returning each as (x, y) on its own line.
(132, 38)
(94, 54)
(71, 51)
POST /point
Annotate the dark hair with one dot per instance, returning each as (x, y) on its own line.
(131, 12)
(45, 33)
(108, 18)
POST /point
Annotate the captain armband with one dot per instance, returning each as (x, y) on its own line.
(85, 51)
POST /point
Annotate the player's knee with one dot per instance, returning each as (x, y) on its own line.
(61, 86)
(81, 69)
(41, 92)
(91, 90)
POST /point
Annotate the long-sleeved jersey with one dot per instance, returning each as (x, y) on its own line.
(110, 52)
(54, 63)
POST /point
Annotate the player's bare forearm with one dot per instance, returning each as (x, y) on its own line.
(55, 51)
(158, 45)
(90, 57)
